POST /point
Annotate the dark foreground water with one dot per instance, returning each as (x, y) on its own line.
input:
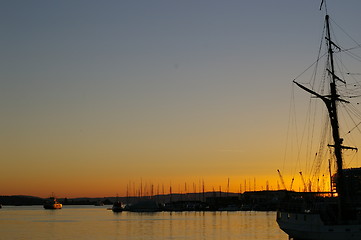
(88, 222)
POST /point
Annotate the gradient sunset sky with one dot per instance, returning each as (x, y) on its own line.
(98, 95)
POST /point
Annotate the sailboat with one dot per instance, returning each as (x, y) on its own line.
(336, 216)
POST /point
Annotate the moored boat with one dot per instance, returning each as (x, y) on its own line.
(144, 206)
(117, 206)
(52, 203)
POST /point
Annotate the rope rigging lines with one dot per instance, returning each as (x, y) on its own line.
(317, 157)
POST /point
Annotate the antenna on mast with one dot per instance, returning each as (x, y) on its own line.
(321, 5)
(323, 2)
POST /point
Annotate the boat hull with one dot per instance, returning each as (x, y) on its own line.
(118, 207)
(307, 226)
(53, 206)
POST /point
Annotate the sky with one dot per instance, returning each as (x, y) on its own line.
(100, 96)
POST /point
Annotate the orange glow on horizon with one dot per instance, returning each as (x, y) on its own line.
(148, 187)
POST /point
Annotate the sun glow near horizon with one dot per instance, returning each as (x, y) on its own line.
(107, 187)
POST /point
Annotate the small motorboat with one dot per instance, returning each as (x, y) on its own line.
(52, 203)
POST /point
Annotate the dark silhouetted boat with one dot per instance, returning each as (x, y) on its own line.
(331, 216)
(117, 206)
(52, 203)
(179, 206)
(144, 206)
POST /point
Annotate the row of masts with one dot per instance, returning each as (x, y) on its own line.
(148, 189)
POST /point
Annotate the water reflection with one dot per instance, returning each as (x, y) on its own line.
(199, 225)
(98, 223)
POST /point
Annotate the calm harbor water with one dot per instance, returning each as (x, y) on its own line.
(93, 223)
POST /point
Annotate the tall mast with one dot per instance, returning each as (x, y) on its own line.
(332, 110)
